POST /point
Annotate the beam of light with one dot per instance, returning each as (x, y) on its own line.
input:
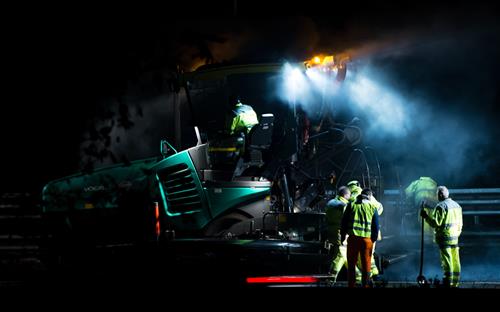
(385, 109)
(295, 86)
(307, 88)
(323, 82)
(317, 78)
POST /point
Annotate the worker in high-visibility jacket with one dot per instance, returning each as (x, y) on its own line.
(446, 219)
(356, 189)
(422, 192)
(334, 211)
(360, 222)
(226, 149)
(242, 118)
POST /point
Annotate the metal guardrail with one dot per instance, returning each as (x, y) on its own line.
(20, 226)
(480, 206)
(479, 202)
(475, 191)
(481, 212)
(475, 202)
(491, 198)
(393, 192)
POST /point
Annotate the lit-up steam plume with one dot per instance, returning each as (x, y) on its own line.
(418, 126)
(387, 110)
(296, 88)
(362, 91)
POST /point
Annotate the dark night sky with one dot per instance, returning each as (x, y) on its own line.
(60, 63)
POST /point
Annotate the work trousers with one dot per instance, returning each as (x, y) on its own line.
(339, 253)
(374, 268)
(362, 247)
(450, 263)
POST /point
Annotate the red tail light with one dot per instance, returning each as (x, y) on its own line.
(282, 279)
(157, 220)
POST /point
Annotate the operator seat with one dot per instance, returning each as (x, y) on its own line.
(258, 140)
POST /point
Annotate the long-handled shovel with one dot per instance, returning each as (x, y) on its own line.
(421, 280)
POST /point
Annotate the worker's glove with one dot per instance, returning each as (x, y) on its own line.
(423, 213)
(423, 204)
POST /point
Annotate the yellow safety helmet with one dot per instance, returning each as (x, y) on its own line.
(353, 182)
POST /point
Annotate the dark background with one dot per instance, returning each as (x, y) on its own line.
(63, 64)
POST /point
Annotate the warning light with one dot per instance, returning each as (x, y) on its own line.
(325, 63)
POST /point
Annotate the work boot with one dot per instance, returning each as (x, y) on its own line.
(369, 284)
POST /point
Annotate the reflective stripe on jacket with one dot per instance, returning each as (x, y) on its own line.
(361, 219)
(446, 220)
